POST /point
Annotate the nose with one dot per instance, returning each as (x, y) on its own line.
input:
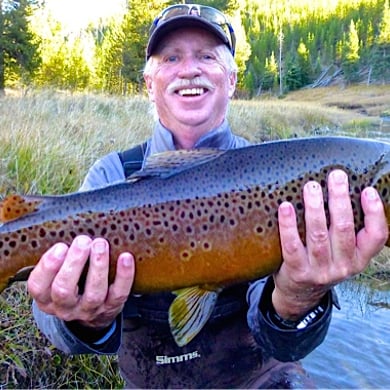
(189, 68)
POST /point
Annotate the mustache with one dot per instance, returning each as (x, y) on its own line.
(197, 82)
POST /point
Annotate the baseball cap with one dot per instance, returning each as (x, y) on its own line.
(191, 15)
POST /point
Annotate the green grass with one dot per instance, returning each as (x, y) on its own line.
(49, 139)
(27, 360)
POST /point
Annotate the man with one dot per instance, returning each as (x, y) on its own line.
(190, 76)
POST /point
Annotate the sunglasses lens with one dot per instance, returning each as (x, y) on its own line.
(210, 14)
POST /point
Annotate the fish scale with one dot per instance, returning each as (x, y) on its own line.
(196, 221)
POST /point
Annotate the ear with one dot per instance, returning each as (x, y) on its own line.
(232, 83)
(149, 86)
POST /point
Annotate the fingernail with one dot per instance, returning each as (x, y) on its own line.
(59, 251)
(99, 246)
(315, 191)
(371, 194)
(127, 260)
(314, 187)
(285, 209)
(339, 177)
(83, 242)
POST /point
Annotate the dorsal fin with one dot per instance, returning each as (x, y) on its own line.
(166, 164)
(16, 206)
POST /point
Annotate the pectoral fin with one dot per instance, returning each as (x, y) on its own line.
(190, 311)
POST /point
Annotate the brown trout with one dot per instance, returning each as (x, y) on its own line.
(196, 221)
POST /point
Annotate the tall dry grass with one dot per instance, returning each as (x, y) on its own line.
(47, 142)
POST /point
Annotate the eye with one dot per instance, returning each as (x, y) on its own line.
(207, 56)
(171, 58)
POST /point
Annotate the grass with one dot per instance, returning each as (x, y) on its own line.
(49, 139)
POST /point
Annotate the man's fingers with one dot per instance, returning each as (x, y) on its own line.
(342, 227)
(375, 232)
(65, 284)
(290, 239)
(124, 278)
(42, 276)
(317, 235)
(96, 285)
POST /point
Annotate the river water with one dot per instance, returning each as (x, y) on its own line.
(356, 351)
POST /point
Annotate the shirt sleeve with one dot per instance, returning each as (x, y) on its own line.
(105, 171)
(65, 340)
(284, 344)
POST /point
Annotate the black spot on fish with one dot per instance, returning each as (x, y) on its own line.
(34, 244)
(189, 229)
(206, 246)
(259, 229)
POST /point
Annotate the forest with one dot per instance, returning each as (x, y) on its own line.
(282, 45)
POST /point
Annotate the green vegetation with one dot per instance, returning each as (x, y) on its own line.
(49, 139)
(282, 45)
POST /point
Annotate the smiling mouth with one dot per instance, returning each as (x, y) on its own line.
(192, 91)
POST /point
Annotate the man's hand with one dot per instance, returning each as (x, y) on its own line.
(54, 282)
(330, 256)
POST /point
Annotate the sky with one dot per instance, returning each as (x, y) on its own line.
(76, 14)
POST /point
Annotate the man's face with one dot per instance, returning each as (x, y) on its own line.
(190, 84)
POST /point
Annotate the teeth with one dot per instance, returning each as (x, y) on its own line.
(191, 91)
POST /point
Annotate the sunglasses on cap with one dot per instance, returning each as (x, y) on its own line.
(211, 15)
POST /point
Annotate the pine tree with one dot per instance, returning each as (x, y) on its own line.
(271, 71)
(19, 56)
(381, 51)
(350, 60)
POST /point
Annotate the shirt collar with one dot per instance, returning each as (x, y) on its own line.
(221, 137)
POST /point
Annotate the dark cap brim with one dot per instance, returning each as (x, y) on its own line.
(183, 21)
